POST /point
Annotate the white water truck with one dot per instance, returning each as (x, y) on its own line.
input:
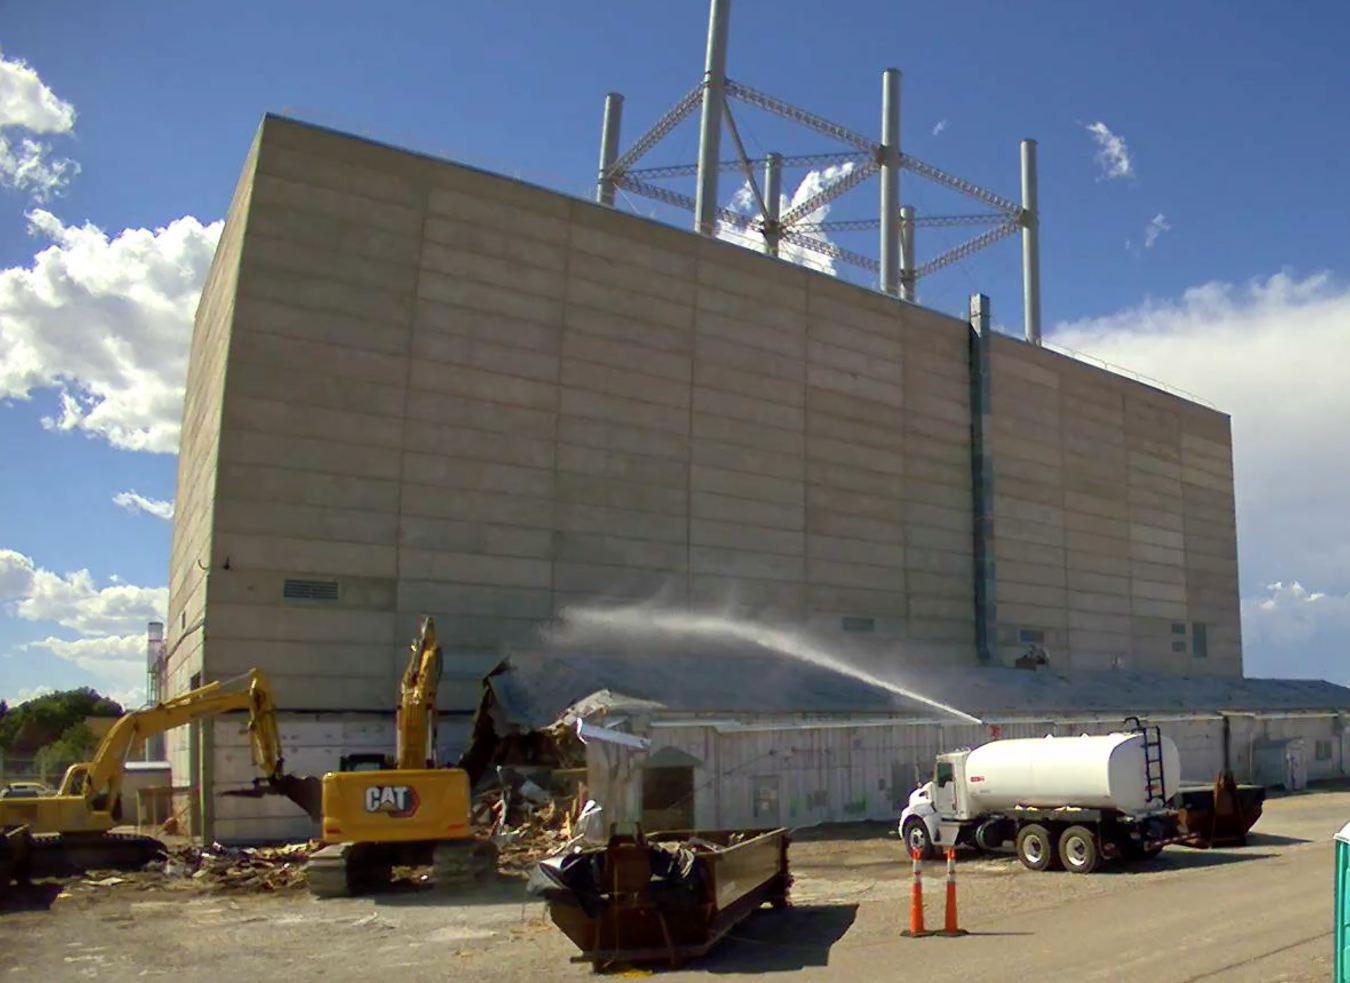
(1063, 801)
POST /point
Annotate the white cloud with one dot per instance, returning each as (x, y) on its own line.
(1309, 630)
(1113, 157)
(26, 103)
(1156, 227)
(941, 125)
(74, 601)
(110, 621)
(134, 502)
(743, 201)
(1268, 354)
(116, 661)
(107, 322)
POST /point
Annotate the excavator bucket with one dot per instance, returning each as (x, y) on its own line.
(306, 791)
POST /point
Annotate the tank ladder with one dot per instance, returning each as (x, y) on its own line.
(1155, 788)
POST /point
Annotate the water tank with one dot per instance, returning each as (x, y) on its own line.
(1093, 772)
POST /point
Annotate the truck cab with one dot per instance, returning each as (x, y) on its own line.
(937, 808)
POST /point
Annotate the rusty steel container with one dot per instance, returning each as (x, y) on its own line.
(667, 896)
(1223, 813)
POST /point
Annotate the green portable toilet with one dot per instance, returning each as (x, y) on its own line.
(1342, 909)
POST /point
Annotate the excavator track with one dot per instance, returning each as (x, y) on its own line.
(457, 864)
(64, 854)
(343, 870)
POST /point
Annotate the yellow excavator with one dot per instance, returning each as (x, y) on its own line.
(73, 829)
(381, 812)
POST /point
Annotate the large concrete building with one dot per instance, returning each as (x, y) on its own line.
(418, 388)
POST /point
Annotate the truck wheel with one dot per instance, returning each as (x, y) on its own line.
(917, 839)
(1036, 847)
(991, 834)
(1078, 850)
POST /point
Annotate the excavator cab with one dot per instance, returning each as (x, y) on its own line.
(365, 761)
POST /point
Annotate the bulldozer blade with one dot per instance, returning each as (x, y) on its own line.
(305, 791)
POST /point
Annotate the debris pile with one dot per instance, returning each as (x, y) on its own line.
(528, 823)
(262, 869)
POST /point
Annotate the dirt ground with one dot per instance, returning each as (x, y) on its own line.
(1259, 914)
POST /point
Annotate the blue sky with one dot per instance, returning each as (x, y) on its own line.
(1222, 116)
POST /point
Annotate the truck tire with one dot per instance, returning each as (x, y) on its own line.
(1078, 850)
(1036, 847)
(915, 835)
(991, 834)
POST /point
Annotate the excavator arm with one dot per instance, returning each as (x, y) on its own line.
(100, 780)
(415, 719)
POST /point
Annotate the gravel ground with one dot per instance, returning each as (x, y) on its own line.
(1260, 913)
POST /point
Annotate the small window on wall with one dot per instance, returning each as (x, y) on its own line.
(1179, 647)
(1178, 628)
(858, 624)
(1323, 751)
(1031, 636)
(1199, 641)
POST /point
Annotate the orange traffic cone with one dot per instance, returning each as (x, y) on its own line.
(916, 929)
(950, 928)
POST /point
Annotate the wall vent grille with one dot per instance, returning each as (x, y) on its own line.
(310, 590)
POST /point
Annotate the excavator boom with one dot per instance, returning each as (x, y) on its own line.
(415, 719)
(88, 804)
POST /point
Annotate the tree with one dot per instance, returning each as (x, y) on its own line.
(40, 721)
(76, 743)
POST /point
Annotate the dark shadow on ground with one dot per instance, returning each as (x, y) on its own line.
(501, 889)
(37, 896)
(781, 941)
(1180, 858)
(1173, 858)
(1272, 839)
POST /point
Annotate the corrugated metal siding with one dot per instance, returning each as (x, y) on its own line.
(851, 773)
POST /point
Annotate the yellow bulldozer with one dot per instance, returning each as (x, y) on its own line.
(73, 829)
(379, 812)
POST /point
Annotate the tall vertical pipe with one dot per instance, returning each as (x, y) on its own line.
(982, 479)
(1031, 247)
(890, 181)
(609, 147)
(773, 197)
(907, 253)
(710, 125)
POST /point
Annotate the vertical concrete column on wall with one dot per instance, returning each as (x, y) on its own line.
(982, 478)
(609, 148)
(206, 746)
(710, 124)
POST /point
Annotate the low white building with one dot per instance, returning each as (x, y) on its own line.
(753, 740)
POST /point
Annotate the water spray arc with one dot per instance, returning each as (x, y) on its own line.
(644, 620)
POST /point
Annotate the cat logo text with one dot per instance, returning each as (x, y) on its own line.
(395, 801)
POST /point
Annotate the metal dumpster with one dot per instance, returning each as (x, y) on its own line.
(667, 896)
(1223, 813)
